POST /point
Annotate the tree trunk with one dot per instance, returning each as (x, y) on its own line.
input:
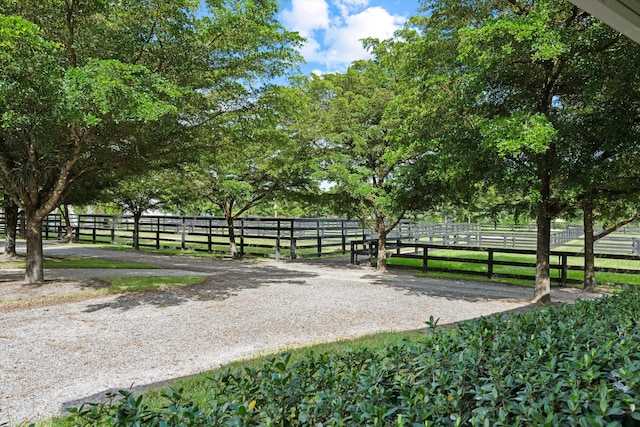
(232, 236)
(136, 230)
(11, 224)
(381, 266)
(542, 291)
(35, 257)
(64, 211)
(589, 253)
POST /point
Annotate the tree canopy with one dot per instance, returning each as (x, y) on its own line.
(90, 86)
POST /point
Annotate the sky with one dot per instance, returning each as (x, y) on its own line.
(334, 28)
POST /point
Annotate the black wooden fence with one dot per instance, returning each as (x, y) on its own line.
(425, 256)
(273, 237)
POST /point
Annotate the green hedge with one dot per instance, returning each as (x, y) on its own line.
(565, 365)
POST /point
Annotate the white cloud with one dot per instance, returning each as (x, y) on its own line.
(334, 33)
(306, 16)
(345, 42)
(347, 6)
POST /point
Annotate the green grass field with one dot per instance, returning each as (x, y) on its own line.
(601, 277)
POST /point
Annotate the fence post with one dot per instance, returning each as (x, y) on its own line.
(319, 238)
(425, 258)
(277, 239)
(490, 264)
(209, 236)
(242, 237)
(352, 252)
(158, 233)
(294, 255)
(563, 271)
(183, 237)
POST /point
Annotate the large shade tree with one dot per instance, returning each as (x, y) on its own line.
(362, 122)
(255, 157)
(520, 74)
(602, 131)
(90, 85)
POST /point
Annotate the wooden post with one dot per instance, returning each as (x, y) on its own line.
(353, 258)
(158, 233)
(490, 263)
(563, 271)
(209, 232)
(294, 255)
(319, 238)
(425, 258)
(184, 229)
(242, 237)
(277, 239)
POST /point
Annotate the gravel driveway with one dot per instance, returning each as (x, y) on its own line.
(56, 356)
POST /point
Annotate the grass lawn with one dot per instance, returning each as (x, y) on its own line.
(78, 262)
(111, 286)
(602, 277)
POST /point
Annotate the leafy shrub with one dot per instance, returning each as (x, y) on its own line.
(575, 365)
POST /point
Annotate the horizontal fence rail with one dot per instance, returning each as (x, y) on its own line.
(272, 237)
(305, 237)
(426, 255)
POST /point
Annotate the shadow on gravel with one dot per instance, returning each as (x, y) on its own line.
(451, 289)
(216, 287)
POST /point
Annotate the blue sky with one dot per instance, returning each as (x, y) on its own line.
(333, 28)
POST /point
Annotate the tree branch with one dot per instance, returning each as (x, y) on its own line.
(395, 223)
(63, 177)
(616, 226)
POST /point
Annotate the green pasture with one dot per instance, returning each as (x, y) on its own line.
(79, 262)
(601, 277)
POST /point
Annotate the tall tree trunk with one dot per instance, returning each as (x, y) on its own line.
(232, 235)
(136, 230)
(542, 291)
(35, 256)
(64, 211)
(11, 224)
(589, 253)
(381, 266)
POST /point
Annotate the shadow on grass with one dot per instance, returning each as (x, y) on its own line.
(216, 287)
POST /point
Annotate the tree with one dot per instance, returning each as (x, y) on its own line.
(254, 158)
(603, 133)
(369, 152)
(89, 85)
(137, 196)
(520, 72)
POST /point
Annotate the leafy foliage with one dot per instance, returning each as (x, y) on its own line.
(545, 367)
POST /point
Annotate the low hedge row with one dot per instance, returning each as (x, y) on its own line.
(564, 365)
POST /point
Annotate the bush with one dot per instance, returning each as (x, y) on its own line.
(566, 365)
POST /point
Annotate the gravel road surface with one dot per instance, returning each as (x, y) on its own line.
(55, 356)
